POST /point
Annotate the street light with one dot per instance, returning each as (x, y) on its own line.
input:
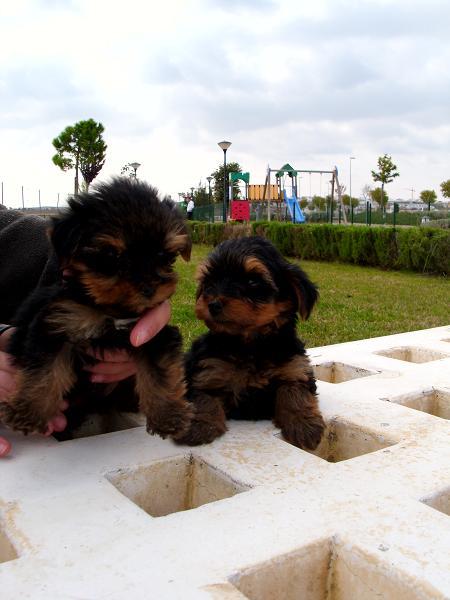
(209, 188)
(135, 166)
(351, 200)
(225, 145)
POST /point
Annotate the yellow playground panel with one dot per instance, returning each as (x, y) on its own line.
(256, 192)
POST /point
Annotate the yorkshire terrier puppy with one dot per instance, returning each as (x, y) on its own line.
(115, 249)
(251, 364)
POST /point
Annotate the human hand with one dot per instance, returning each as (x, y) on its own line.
(116, 365)
(8, 387)
(7, 384)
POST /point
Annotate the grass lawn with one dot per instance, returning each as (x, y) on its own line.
(355, 302)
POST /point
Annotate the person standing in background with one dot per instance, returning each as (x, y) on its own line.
(190, 209)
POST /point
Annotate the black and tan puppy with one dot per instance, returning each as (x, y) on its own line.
(251, 364)
(115, 248)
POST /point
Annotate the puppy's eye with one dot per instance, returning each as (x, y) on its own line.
(103, 252)
(253, 282)
(103, 259)
(110, 252)
(165, 258)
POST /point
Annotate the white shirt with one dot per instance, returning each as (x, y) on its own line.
(190, 206)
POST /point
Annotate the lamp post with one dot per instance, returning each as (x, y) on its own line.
(135, 166)
(209, 188)
(225, 145)
(351, 200)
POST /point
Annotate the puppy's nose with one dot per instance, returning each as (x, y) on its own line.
(215, 307)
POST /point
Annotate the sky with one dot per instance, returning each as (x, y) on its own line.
(311, 83)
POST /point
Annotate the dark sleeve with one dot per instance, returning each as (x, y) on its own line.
(24, 253)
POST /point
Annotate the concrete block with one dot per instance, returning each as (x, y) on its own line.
(365, 516)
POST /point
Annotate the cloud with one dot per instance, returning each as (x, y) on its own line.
(284, 80)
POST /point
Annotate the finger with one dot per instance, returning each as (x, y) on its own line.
(4, 338)
(6, 362)
(5, 447)
(127, 371)
(59, 422)
(7, 386)
(109, 355)
(150, 324)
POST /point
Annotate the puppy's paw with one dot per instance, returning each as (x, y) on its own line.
(304, 432)
(201, 432)
(19, 417)
(170, 420)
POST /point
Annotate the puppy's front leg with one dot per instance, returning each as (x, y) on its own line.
(208, 422)
(161, 386)
(298, 416)
(40, 390)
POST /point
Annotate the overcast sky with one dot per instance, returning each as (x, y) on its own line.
(306, 82)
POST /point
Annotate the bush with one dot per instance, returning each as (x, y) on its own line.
(422, 249)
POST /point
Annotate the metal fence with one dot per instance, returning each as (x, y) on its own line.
(367, 215)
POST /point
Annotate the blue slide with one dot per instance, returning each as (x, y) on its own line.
(295, 211)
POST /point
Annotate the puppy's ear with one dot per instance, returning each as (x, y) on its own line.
(65, 235)
(306, 292)
(185, 251)
(180, 242)
(200, 273)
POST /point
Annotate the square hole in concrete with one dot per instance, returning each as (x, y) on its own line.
(411, 354)
(433, 402)
(336, 372)
(174, 485)
(343, 441)
(7, 550)
(439, 501)
(322, 571)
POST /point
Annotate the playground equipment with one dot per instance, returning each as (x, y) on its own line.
(240, 209)
(284, 191)
(287, 177)
(291, 200)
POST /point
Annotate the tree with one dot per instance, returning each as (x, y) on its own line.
(428, 197)
(319, 202)
(303, 203)
(232, 167)
(365, 192)
(379, 196)
(387, 171)
(348, 202)
(445, 188)
(330, 203)
(201, 197)
(129, 171)
(81, 147)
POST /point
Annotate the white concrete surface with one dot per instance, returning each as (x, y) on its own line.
(127, 515)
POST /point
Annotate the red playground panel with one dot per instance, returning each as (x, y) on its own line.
(240, 210)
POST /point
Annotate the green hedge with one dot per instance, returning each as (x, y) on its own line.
(413, 248)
